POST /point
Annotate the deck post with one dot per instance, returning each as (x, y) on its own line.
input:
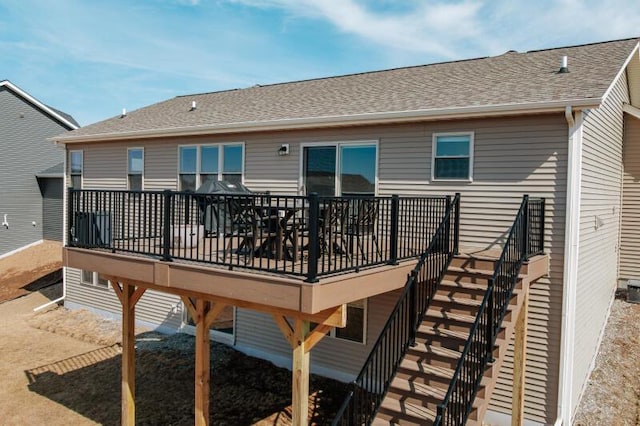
(300, 371)
(519, 362)
(128, 416)
(203, 361)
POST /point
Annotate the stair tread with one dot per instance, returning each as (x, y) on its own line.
(459, 300)
(418, 388)
(426, 329)
(435, 350)
(425, 368)
(407, 409)
(463, 285)
(470, 270)
(436, 313)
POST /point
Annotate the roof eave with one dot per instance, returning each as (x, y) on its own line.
(341, 121)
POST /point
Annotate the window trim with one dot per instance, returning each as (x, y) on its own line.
(94, 280)
(81, 174)
(338, 145)
(129, 171)
(365, 318)
(220, 173)
(434, 142)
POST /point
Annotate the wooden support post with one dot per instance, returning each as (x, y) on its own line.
(203, 314)
(203, 357)
(128, 295)
(300, 371)
(519, 361)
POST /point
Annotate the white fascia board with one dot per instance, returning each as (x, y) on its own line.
(570, 270)
(37, 103)
(339, 121)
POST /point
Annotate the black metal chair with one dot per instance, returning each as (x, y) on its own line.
(332, 227)
(242, 226)
(362, 225)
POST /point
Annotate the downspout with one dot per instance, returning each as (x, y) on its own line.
(64, 232)
(570, 270)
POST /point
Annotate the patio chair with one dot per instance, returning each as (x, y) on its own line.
(241, 225)
(362, 225)
(332, 227)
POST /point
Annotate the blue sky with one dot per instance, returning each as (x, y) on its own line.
(92, 58)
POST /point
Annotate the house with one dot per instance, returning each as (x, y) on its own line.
(561, 125)
(31, 169)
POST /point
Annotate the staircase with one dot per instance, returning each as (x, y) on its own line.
(453, 337)
(426, 371)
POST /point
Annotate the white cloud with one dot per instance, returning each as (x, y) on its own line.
(463, 28)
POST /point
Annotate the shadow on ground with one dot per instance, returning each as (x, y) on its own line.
(244, 390)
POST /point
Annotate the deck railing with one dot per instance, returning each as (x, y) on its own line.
(308, 236)
(525, 239)
(399, 333)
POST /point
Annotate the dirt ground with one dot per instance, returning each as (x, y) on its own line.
(30, 270)
(60, 367)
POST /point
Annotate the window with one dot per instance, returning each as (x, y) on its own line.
(135, 168)
(188, 163)
(340, 169)
(75, 169)
(205, 163)
(355, 329)
(452, 156)
(93, 279)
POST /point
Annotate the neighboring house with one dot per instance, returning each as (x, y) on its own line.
(491, 129)
(31, 169)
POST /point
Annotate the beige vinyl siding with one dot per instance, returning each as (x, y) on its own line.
(600, 205)
(345, 357)
(630, 233)
(512, 156)
(155, 308)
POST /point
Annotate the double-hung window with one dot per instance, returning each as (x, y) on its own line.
(75, 169)
(135, 168)
(93, 279)
(452, 156)
(199, 164)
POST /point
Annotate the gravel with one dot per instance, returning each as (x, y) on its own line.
(613, 391)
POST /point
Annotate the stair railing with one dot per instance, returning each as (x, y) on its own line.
(370, 387)
(526, 238)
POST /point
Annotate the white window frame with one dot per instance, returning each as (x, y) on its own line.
(220, 172)
(434, 143)
(71, 174)
(129, 171)
(365, 311)
(338, 145)
(94, 280)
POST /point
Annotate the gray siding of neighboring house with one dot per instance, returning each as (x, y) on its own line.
(630, 232)
(513, 156)
(600, 206)
(52, 208)
(26, 151)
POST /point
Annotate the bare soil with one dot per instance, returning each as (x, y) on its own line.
(30, 269)
(612, 395)
(63, 367)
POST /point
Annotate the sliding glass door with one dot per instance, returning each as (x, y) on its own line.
(340, 169)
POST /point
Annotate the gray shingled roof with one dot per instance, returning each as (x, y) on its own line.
(510, 79)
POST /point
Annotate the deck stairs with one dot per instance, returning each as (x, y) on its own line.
(423, 377)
